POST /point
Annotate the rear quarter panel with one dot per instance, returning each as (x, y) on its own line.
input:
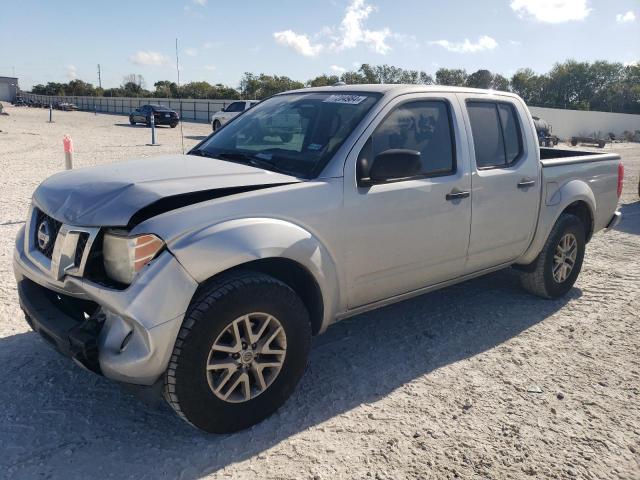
(592, 180)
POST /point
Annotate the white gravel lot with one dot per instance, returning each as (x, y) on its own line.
(435, 387)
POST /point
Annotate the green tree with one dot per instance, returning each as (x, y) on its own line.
(323, 81)
(165, 89)
(530, 86)
(451, 77)
(263, 86)
(79, 88)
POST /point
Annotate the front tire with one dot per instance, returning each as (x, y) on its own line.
(216, 125)
(241, 351)
(132, 121)
(556, 269)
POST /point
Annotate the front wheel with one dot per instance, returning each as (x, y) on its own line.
(132, 121)
(216, 125)
(241, 351)
(556, 269)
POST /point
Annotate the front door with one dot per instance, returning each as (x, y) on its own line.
(505, 182)
(405, 235)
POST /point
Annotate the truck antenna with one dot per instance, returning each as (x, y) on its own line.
(178, 70)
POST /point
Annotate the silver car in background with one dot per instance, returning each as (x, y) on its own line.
(231, 111)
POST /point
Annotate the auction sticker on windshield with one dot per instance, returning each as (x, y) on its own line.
(347, 99)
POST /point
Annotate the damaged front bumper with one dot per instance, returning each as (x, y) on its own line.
(127, 335)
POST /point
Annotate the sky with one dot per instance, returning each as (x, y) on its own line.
(46, 41)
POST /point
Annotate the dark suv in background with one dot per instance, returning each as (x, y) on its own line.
(161, 115)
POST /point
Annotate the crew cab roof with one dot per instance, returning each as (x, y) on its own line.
(399, 89)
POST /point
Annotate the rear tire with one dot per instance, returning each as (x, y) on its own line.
(553, 273)
(203, 358)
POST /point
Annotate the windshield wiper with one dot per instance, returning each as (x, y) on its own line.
(253, 160)
(201, 153)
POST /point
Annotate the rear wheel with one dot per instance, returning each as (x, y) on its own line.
(556, 269)
(241, 351)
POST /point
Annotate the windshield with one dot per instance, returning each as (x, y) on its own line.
(295, 133)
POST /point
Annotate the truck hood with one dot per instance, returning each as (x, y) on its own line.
(124, 194)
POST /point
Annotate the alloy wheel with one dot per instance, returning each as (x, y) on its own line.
(564, 257)
(246, 357)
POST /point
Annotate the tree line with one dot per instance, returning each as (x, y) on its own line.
(599, 85)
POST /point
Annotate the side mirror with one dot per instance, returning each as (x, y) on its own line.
(224, 109)
(389, 166)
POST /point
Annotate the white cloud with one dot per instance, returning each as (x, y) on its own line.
(202, 3)
(211, 68)
(72, 73)
(143, 57)
(192, 52)
(626, 17)
(631, 64)
(349, 34)
(337, 69)
(484, 43)
(352, 31)
(299, 43)
(551, 11)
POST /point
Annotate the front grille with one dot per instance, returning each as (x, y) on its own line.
(45, 233)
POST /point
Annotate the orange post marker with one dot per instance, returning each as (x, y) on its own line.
(67, 143)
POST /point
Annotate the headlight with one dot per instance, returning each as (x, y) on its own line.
(125, 256)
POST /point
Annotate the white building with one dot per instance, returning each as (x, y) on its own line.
(8, 89)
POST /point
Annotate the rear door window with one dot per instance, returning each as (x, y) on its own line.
(510, 131)
(236, 107)
(496, 134)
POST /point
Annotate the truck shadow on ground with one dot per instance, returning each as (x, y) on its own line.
(630, 222)
(62, 421)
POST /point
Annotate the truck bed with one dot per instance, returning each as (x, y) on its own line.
(558, 156)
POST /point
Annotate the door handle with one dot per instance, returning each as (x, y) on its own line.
(456, 195)
(526, 183)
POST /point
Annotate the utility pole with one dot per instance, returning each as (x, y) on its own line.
(99, 78)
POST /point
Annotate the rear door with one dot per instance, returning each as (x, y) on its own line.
(505, 180)
(405, 235)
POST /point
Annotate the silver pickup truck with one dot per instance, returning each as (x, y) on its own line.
(209, 273)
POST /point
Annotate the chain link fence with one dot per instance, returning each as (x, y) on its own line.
(198, 110)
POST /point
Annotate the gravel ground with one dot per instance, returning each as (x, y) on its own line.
(479, 380)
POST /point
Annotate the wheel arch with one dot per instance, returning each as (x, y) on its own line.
(582, 210)
(293, 274)
(274, 247)
(576, 198)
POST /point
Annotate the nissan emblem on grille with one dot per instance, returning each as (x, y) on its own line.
(44, 234)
